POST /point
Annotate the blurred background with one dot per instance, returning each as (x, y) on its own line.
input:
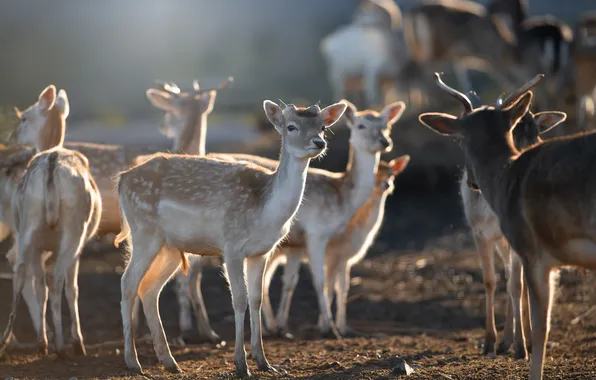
(105, 54)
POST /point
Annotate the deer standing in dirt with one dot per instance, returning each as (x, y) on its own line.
(239, 210)
(488, 238)
(53, 206)
(107, 161)
(542, 195)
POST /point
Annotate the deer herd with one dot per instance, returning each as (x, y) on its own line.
(529, 199)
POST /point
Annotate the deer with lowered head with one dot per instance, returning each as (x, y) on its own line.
(488, 238)
(542, 195)
(239, 210)
(52, 204)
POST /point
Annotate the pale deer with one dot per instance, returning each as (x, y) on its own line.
(542, 195)
(584, 72)
(239, 210)
(53, 206)
(488, 237)
(371, 48)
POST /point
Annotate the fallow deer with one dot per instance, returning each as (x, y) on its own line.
(351, 246)
(542, 195)
(239, 210)
(53, 206)
(488, 238)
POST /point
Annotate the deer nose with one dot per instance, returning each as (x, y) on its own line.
(319, 143)
(385, 143)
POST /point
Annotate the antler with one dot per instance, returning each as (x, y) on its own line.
(223, 85)
(456, 94)
(170, 87)
(515, 95)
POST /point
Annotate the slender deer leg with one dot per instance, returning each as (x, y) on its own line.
(26, 250)
(181, 287)
(267, 310)
(57, 280)
(71, 252)
(540, 294)
(161, 270)
(525, 316)
(41, 301)
(331, 268)
(487, 258)
(234, 263)
(203, 326)
(290, 280)
(316, 257)
(138, 265)
(255, 267)
(515, 287)
(342, 287)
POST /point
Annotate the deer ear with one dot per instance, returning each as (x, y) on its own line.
(47, 98)
(274, 114)
(392, 112)
(547, 120)
(399, 164)
(62, 103)
(518, 109)
(331, 114)
(350, 112)
(441, 123)
(160, 99)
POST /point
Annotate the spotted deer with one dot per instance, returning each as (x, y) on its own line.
(488, 238)
(542, 195)
(239, 210)
(349, 248)
(53, 206)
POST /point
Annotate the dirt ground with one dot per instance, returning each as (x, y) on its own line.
(417, 296)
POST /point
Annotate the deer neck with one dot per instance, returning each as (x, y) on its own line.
(359, 179)
(491, 164)
(52, 132)
(192, 138)
(285, 189)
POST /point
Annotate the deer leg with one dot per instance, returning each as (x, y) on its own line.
(181, 287)
(203, 325)
(165, 264)
(136, 317)
(342, 287)
(290, 280)
(40, 300)
(515, 288)
(525, 317)
(538, 281)
(487, 258)
(268, 314)
(57, 280)
(316, 255)
(25, 251)
(234, 264)
(331, 269)
(255, 268)
(70, 252)
(146, 248)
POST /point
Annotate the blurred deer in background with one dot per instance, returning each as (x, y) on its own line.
(367, 54)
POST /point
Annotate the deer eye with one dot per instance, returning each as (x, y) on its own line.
(323, 128)
(292, 128)
(361, 126)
